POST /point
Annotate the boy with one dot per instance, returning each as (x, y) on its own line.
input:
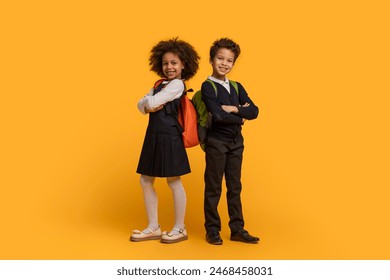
(224, 143)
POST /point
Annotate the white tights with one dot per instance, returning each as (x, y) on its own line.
(151, 201)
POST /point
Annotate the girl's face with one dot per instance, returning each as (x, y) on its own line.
(172, 66)
(222, 63)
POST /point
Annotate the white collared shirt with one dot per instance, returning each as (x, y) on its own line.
(225, 83)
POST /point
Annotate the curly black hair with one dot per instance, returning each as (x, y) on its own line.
(227, 44)
(185, 51)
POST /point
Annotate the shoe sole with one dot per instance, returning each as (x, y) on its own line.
(134, 239)
(171, 241)
(215, 243)
(243, 241)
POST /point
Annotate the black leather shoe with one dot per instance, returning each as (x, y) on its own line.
(244, 236)
(214, 238)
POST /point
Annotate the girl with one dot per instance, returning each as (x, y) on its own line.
(163, 153)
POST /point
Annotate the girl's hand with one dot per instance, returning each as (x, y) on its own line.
(154, 109)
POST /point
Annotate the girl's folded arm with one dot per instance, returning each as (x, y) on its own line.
(141, 103)
(171, 91)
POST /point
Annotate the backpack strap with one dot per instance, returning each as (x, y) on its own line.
(214, 86)
(158, 83)
(233, 83)
(169, 109)
(169, 106)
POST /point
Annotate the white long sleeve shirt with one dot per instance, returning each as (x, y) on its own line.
(174, 89)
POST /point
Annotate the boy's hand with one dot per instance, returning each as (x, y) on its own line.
(230, 108)
(154, 109)
(233, 109)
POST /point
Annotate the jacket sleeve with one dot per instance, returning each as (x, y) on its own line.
(214, 107)
(250, 112)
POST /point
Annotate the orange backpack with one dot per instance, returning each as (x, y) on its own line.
(187, 118)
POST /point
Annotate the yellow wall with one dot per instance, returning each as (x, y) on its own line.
(315, 174)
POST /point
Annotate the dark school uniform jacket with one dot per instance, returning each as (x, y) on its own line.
(227, 126)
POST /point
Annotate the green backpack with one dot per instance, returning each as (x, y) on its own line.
(203, 116)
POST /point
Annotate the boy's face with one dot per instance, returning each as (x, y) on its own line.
(172, 66)
(222, 63)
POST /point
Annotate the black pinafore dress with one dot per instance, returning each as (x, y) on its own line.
(163, 153)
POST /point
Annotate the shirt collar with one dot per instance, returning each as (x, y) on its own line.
(226, 82)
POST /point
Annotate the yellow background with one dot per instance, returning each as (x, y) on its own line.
(316, 162)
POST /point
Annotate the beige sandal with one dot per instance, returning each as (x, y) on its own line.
(141, 236)
(169, 238)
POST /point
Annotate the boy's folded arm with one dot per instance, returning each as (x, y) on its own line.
(219, 115)
(249, 112)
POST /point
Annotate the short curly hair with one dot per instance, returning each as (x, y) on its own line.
(227, 44)
(184, 50)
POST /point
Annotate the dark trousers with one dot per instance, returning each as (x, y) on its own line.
(223, 158)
